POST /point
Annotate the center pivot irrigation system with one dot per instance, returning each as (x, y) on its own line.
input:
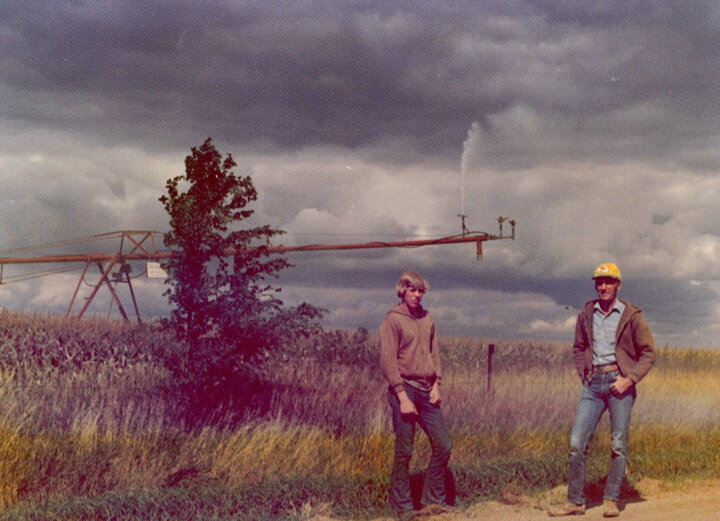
(143, 246)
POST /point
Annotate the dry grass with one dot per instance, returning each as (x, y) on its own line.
(104, 425)
(333, 425)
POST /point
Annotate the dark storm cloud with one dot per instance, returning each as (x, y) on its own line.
(333, 107)
(658, 296)
(351, 74)
(674, 308)
(273, 71)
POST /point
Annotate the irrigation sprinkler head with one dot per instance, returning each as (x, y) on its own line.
(465, 231)
(500, 221)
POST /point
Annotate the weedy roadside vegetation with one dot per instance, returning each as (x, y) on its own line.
(91, 425)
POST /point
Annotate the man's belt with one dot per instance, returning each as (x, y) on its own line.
(605, 368)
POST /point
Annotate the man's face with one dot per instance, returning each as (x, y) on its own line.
(607, 289)
(413, 296)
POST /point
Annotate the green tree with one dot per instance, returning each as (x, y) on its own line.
(224, 312)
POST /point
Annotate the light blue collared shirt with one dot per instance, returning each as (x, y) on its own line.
(604, 332)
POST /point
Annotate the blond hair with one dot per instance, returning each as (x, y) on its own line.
(411, 279)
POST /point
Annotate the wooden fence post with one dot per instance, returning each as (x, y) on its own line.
(491, 352)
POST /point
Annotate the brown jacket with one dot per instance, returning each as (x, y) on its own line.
(409, 349)
(634, 346)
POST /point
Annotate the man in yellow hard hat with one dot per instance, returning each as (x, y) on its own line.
(613, 351)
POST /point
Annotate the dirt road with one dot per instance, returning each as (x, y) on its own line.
(689, 501)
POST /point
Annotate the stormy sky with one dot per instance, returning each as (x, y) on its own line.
(594, 125)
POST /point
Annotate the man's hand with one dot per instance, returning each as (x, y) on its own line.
(407, 407)
(621, 384)
(435, 397)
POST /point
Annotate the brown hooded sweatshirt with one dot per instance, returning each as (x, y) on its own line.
(634, 345)
(409, 349)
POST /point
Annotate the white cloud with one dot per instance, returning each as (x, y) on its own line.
(543, 327)
(314, 221)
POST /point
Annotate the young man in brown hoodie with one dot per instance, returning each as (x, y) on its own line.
(410, 361)
(613, 351)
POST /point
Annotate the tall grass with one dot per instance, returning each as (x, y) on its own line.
(89, 430)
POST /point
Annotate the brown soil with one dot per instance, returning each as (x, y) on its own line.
(656, 501)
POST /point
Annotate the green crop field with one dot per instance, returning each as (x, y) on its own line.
(90, 425)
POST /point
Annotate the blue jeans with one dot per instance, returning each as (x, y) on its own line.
(595, 399)
(430, 419)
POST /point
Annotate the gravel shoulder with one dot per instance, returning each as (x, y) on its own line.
(686, 501)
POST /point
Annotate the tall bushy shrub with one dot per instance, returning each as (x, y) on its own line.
(225, 314)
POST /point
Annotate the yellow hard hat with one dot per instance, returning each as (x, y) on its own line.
(607, 270)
